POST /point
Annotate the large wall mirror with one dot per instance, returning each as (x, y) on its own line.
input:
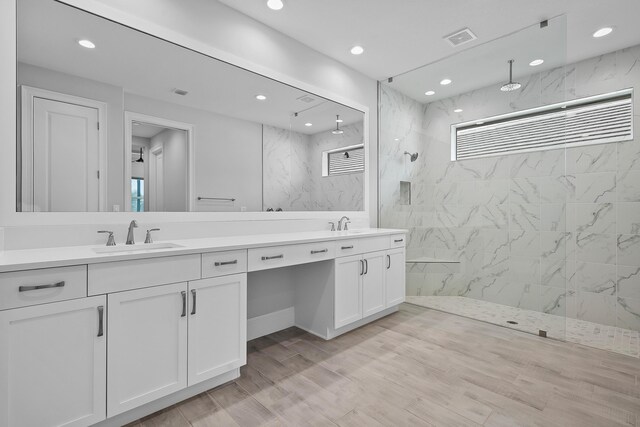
(113, 119)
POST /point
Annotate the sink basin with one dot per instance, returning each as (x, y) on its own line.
(357, 231)
(140, 248)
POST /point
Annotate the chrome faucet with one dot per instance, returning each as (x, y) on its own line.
(340, 227)
(130, 238)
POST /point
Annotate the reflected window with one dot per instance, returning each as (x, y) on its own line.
(137, 195)
(344, 160)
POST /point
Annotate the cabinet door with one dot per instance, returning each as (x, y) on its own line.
(217, 326)
(53, 364)
(348, 285)
(373, 292)
(147, 345)
(395, 277)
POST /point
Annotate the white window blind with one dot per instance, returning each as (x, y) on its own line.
(593, 120)
(343, 160)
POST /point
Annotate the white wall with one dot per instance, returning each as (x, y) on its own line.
(228, 153)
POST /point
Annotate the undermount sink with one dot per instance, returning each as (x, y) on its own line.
(141, 248)
(357, 231)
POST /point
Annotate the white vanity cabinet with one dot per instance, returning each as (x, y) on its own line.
(359, 287)
(217, 326)
(147, 345)
(165, 338)
(348, 290)
(368, 283)
(395, 277)
(53, 364)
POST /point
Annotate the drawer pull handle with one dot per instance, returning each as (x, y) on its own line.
(366, 266)
(346, 247)
(100, 320)
(218, 264)
(36, 287)
(184, 303)
(267, 258)
(388, 262)
(193, 309)
(361, 267)
(398, 240)
(319, 251)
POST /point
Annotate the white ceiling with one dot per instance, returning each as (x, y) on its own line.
(401, 35)
(48, 32)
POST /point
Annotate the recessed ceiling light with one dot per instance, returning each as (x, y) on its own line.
(308, 124)
(87, 43)
(261, 97)
(357, 50)
(458, 110)
(275, 4)
(396, 139)
(445, 82)
(536, 62)
(602, 32)
(429, 93)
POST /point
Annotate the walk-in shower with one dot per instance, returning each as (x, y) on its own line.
(543, 238)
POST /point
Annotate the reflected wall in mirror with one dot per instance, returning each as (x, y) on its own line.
(135, 123)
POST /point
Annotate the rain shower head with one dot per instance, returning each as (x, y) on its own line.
(511, 86)
(413, 156)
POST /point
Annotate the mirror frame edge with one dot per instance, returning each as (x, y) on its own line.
(9, 217)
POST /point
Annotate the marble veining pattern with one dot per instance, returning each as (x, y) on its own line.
(556, 232)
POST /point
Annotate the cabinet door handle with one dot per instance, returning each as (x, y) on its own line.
(218, 264)
(366, 266)
(388, 262)
(361, 267)
(100, 320)
(346, 247)
(319, 251)
(398, 240)
(267, 258)
(193, 309)
(184, 303)
(36, 287)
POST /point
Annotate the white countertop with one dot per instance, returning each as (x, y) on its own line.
(27, 259)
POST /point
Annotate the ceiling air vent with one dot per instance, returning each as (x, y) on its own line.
(306, 99)
(586, 121)
(460, 37)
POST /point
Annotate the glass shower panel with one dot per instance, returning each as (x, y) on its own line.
(488, 234)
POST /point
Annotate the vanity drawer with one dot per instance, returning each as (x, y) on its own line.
(142, 273)
(347, 247)
(30, 287)
(373, 244)
(222, 263)
(397, 241)
(282, 256)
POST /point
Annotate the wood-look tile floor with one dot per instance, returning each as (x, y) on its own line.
(419, 367)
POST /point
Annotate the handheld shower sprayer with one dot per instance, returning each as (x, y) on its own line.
(413, 156)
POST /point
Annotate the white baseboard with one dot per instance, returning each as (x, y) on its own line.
(269, 323)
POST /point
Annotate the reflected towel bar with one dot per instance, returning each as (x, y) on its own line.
(217, 198)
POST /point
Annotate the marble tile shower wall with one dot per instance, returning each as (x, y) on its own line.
(555, 231)
(292, 171)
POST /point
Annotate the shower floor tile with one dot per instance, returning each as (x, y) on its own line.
(604, 337)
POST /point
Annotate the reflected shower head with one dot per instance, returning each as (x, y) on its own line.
(413, 156)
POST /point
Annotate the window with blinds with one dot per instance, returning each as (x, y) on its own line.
(593, 120)
(343, 160)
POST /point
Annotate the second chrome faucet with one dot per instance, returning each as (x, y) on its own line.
(130, 238)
